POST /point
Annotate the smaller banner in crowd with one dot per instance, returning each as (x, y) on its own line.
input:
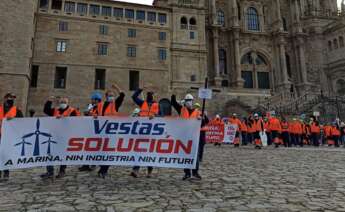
(220, 133)
(122, 141)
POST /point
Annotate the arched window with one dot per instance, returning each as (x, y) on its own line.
(220, 18)
(285, 25)
(340, 87)
(184, 23)
(335, 43)
(341, 41)
(253, 22)
(192, 24)
(330, 45)
(255, 75)
(222, 61)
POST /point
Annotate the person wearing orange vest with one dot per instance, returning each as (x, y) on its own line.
(96, 98)
(235, 121)
(244, 131)
(63, 110)
(251, 129)
(285, 126)
(218, 121)
(259, 128)
(315, 132)
(266, 128)
(187, 111)
(8, 111)
(335, 133)
(306, 133)
(296, 131)
(275, 127)
(148, 108)
(328, 135)
(110, 107)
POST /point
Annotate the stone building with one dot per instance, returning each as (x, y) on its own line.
(255, 52)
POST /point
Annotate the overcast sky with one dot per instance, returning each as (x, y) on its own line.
(150, 1)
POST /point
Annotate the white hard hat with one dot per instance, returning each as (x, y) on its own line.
(136, 111)
(189, 97)
(256, 115)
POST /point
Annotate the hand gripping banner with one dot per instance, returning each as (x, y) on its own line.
(120, 141)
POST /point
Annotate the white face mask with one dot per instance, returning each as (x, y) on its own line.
(63, 106)
(110, 98)
(189, 104)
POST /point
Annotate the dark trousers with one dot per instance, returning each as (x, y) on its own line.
(137, 168)
(286, 139)
(269, 138)
(6, 172)
(244, 138)
(50, 169)
(315, 139)
(336, 141)
(250, 138)
(199, 157)
(103, 169)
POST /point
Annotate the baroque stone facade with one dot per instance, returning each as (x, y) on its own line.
(250, 50)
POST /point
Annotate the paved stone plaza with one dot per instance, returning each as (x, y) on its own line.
(234, 180)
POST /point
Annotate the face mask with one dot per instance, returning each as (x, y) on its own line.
(189, 104)
(63, 106)
(110, 99)
(10, 102)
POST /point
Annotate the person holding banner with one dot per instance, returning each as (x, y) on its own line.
(110, 107)
(8, 111)
(96, 98)
(148, 108)
(235, 121)
(63, 110)
(187, 111)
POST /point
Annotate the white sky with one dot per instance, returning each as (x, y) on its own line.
(150, 1)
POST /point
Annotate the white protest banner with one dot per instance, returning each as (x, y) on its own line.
(229, 133)
(121, 141)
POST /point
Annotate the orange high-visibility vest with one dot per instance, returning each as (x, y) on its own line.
(274, 125)
(327, 130)
(185, 113)
(314, 128)
(12, 113)
(237, 122)
(109, 111)
(244, 127)
(146, 110)
(335, 131)
(285, 126)
(66, 113)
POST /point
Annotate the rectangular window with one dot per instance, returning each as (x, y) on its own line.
(103, 30)
(56, 4)
(129, 13)
(248, 79)
(82, 8)
(102, 48)
(118, 12)
(192, 35)
(63, 26)
(34, 76)
(132, 33)
(162, 54)
(162, 18)
(69, 7)
(263, 80)
(131, 51)
(162, 35)
(43, 4)
(151, 16)
(94, 9)
(61, 45)
(140, 15)
(60, 77)
(106, 11)
(134, 80)
(100, 79)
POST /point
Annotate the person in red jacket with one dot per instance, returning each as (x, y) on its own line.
(275, 128)
(315, 131)
(335, 133)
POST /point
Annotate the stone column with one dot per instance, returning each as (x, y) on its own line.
(279, 16)
(235, 13)
(283, 68)
(303, 67)
(298, 20)
(239, 81)
(214, 11)
(216, 57)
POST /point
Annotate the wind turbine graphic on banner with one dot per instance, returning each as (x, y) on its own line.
(37, 133)
(49, 142)
(23, 143)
